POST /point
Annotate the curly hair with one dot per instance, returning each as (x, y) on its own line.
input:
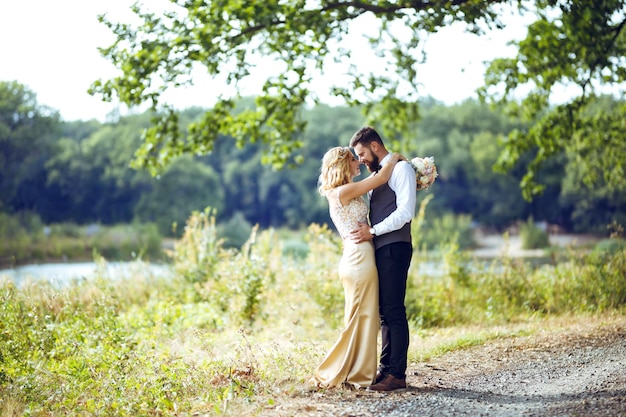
(335, 170)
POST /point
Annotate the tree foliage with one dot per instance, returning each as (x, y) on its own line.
(302, 37)
(571, 43)
(24, 127)
(185, 183)
(580, 45)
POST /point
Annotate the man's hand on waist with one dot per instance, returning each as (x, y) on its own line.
(361, 233)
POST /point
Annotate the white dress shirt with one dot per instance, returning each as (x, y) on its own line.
(403, 183)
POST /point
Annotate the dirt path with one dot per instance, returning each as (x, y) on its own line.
(575, 372)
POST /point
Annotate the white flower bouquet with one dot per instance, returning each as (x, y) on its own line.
(425, 171)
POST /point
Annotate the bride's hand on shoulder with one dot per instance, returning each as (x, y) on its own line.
(395, 157)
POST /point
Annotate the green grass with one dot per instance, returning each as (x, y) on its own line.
(236, 330)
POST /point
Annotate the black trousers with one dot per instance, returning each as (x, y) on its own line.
(392, 262)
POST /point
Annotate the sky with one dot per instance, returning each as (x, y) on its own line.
(51, 48)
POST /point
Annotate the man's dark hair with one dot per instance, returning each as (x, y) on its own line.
(365, 136)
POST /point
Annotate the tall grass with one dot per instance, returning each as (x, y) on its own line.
(234, 329)
(509, 290)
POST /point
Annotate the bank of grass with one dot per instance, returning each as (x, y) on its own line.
(236, 331)
(24, 239)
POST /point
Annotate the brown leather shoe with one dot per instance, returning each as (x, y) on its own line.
(389, 384)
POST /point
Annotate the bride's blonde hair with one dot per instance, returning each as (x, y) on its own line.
(335, 170)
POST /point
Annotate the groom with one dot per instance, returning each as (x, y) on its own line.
(392, 207)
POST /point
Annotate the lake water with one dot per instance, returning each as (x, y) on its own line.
(60, 274)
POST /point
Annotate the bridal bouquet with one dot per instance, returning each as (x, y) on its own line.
(425, 171)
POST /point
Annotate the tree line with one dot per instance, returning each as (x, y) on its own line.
(80, 171)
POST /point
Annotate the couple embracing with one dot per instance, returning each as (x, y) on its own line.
(374, 265)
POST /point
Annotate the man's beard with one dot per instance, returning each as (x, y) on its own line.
(373, 166)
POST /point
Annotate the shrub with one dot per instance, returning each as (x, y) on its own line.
(609, 246)
(533, 237)
(295, 248)
(438, 232)
(65, 230)
(127, 242)
(197, 253)
(615, 242)
(235, 231)
(232, 282)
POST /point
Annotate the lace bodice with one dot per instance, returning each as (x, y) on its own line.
(346, 217)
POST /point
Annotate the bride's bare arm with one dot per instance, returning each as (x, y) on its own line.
(355, 189)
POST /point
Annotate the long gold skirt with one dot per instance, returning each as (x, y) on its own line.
(353, 357)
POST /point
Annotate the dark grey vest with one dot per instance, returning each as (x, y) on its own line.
(382, 204)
